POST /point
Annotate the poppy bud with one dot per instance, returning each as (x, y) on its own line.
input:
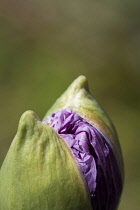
(71, 160)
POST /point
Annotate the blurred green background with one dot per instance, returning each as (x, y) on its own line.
(45, 45)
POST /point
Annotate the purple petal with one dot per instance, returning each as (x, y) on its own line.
(95, 156)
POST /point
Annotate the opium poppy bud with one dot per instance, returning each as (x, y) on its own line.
(70, 161)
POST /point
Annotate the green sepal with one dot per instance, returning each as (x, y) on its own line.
(78, 98)
(40, 172)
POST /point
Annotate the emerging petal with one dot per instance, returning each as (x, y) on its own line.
(95, 156)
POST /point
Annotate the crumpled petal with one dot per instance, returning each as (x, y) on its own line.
(94, 155)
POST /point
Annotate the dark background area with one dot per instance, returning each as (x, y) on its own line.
(45, 45)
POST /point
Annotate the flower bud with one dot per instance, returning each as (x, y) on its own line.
(71, 160)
